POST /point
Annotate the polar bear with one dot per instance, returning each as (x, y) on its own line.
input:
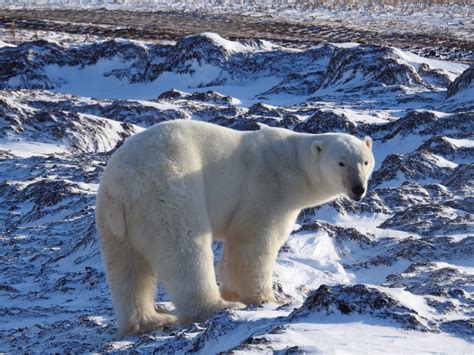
(168, 191)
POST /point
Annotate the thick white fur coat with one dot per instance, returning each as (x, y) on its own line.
(168, 191)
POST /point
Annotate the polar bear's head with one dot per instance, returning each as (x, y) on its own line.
(346, 163)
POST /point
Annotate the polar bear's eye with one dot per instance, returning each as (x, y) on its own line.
(366, 163)
(341, 164)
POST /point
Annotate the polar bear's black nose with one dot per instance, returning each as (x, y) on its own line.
(358, 190)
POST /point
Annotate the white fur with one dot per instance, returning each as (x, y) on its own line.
(168, 191)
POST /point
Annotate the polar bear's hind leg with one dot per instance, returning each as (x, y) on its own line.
(133, 287)
(131, 281)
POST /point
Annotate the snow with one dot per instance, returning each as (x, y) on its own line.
(465, 95)
(346, 45)
(378, 274)
(451, 69)
(89, 81)
(409, 300)
(27, 149)
(158, 105)
(231, 46)
(362, 337)
(96, 81)
(444, 163)
(401, 145)
(359, 115)
(53, 266)
(468, 143)
(312, 261)
(6, 44)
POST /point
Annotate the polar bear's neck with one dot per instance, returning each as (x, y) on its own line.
(316, 190)
(287, 159)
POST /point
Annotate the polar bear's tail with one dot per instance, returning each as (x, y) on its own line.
(131, 280)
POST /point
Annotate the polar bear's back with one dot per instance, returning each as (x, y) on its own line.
(187, 135)
(182, 143)
(180, 161)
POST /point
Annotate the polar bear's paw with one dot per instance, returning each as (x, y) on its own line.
(222, 304)
(229, 295)
(232, 305)
(258, 299)
(155, 322)
(204, 313)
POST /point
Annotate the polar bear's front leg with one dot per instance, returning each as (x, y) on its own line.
(190, 280)
(246, 270)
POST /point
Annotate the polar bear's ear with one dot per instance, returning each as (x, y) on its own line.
(316, 147)
(368, 142)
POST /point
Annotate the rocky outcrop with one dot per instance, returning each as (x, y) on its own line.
(325, 122)
(361, 300)
(462, 82)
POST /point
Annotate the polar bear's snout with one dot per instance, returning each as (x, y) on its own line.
(358, 192)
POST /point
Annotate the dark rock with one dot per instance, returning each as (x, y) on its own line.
(367, 68)
(211, 97)
(340, 234)
(430, 279)
(291, 350)
(426, 123)
(461, 327)
(326, 121)
(245, 125)
(419, 165)
(412, 122)
(173, 94)
(261, 109)
(428, 220)
(465, 204)
(462, 179)
(462, 82)
(357, 299)
(442, 146)
(434, 77)
(8, 288)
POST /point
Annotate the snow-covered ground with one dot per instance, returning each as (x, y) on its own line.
(393, 273)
